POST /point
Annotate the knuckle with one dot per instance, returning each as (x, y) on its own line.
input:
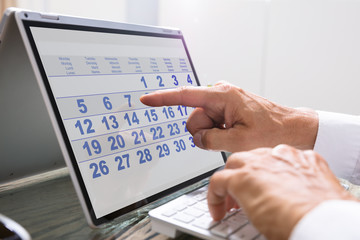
(225, 87)
(281, 149)
(240, 90)
(228, 88)
(237, 160)
(284, 146)
(182, 90)
(315, 156)
(310, 153)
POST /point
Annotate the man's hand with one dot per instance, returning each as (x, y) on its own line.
(275, 187)
(230, 119)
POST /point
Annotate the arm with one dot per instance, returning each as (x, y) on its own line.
(276, 188)
(231, 119)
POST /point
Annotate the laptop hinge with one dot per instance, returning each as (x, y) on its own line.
(49, 16)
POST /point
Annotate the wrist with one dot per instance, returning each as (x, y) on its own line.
(302, 127)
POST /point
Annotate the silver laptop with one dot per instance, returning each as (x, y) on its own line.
(122, 154)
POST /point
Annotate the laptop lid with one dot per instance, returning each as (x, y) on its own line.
(28, 144)
(121, 153)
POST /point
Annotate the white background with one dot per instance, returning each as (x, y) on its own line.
(294, 52)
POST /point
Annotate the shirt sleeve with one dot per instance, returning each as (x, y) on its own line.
(333, 219)
(338, 141)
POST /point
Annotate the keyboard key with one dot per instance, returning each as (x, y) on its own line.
(248, 232)
(238, 218)
(224, 229)
(169, 213)
(201, 207)
(230, 213)
(184, 218)
(190, 201)
(193, 212)
(200, 197)
(205, 222)
(179, 207)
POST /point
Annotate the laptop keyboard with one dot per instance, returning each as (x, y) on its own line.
(192, 214)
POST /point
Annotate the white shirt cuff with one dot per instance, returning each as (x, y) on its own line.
(334, 219)
(338, 141)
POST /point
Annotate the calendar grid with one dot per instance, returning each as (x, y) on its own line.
(129, 129)
(129, 149)
(108, 113)
(100, 120)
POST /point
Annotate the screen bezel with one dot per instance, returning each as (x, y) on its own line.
(74, 166)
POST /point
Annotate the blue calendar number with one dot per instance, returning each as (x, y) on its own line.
(139, 137)
(157, 133)
(99, 169)
(112, 119)
(81, 105)
(192, 141)
(143, 81)
(180, 145)
(144, 156)
(164, 150)
(184, 124)
(107, 103)
(161, 84)
(189, 79)
(93, 146)
(182, 110)
(174, 129)
(176, 82)
(86, 122)
(168, 112)
(128, 97)
(116, 142)
(152, 116)
(123, 161)
(134, 119)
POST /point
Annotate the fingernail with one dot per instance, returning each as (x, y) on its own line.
(197, 140)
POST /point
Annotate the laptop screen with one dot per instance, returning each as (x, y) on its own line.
(124, 154)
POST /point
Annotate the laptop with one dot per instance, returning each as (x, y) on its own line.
(120, 153)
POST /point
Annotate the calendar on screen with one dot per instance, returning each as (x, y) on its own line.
(124, 150)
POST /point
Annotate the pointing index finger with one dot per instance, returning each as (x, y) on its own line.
(186, 95)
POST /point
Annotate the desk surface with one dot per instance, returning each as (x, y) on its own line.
(47, 206)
